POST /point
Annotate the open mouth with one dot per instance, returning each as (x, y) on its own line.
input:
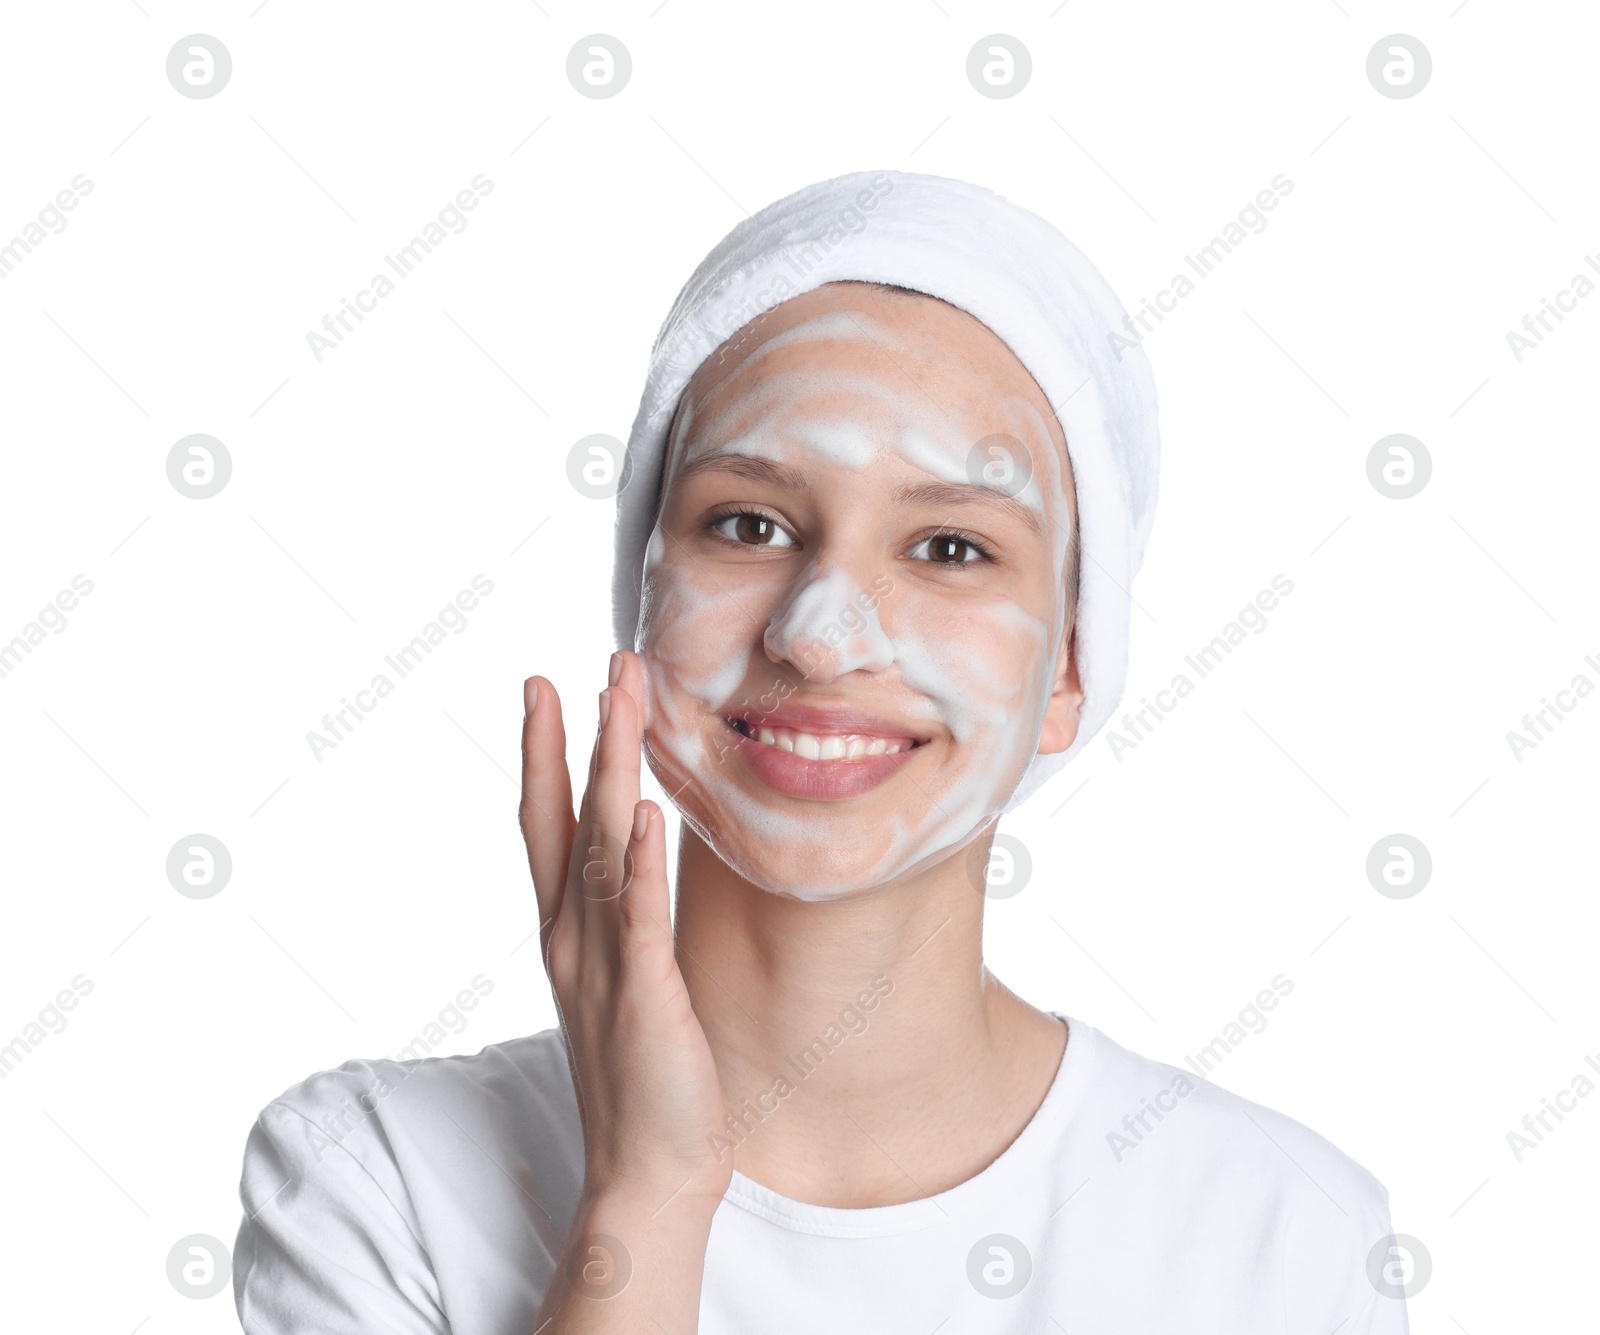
(822, 752)
(823, 745)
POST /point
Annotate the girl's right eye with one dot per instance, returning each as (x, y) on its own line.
(752, 529)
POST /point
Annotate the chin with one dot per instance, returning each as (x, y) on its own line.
(800, 874)
(799, 858)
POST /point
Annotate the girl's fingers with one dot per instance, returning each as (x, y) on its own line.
(594, 751)
(630, 676)
(647, 902)
(615, 789)
(545, 812)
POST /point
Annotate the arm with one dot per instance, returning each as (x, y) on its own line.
(646, 1083)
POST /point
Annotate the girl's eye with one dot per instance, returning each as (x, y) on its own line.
(752, 530)
(948, 549)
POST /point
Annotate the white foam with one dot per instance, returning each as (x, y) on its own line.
(842, 441)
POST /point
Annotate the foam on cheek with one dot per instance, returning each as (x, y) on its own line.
(686, 612)
(1045, 494)
(965, 674)
(687, 615)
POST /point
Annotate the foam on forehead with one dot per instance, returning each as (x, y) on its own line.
(919, 430)
(827, 325)
(823, 325)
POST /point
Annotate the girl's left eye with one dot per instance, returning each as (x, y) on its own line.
(752, 529)
(948, 549)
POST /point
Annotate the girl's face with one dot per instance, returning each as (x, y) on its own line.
(855, 605)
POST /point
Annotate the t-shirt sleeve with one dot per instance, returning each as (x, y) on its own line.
(1327, 1253)
(329, 1241)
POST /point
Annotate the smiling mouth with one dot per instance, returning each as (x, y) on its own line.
(823, 745)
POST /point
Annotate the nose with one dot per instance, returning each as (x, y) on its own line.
(828, 626)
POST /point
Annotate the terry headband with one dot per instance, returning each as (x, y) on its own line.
(998, 262)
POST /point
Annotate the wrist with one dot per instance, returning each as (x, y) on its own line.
(626, 1201)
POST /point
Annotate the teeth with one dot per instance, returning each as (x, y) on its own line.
(813, 746)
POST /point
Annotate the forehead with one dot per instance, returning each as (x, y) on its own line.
(852, 359)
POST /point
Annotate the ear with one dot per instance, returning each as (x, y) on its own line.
(1064, 711)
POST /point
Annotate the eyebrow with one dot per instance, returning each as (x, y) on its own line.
(748, 466)
(957, 494)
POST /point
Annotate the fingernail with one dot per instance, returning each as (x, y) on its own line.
(616, 668)
(530, 696)
(641, 821)
(605, 707)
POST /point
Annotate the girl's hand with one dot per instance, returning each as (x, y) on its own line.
(646, 1082)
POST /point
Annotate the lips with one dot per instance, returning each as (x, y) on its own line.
(822, 754)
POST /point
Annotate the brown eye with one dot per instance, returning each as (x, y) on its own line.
(752, 530)
(948, 549)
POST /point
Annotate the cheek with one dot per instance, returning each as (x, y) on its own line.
(983, 666)
(699, 635)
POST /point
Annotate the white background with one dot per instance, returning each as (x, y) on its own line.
(367, 489)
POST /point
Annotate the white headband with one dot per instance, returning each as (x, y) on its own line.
(1013, 271)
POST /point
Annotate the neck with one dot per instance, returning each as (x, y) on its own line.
(829, 1021)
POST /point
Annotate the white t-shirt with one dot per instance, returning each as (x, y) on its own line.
(436, 1195)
